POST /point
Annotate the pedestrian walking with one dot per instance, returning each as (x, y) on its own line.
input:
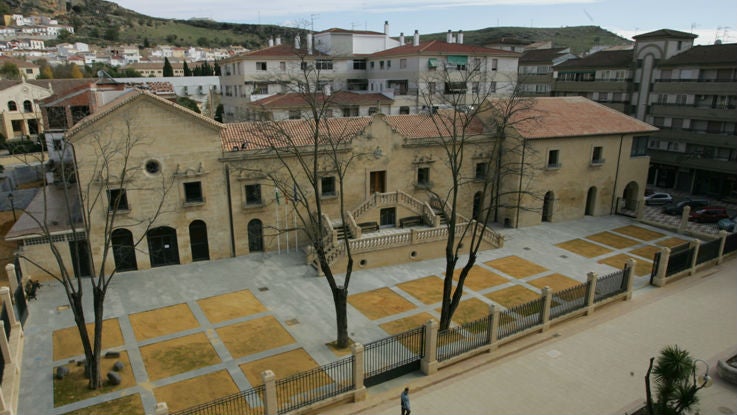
(405, 401)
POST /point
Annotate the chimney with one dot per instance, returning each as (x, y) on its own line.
(460, 36)
(271, 41)
(309, 44)
(449, 37)
(416, 41)
(278, 40)
(296, 42)
(386, 27)
(401, 39)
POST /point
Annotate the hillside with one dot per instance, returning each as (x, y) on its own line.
(104, 23)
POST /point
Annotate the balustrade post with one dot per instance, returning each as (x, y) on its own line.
(683, 224)
(494, 326)
(547, 300)
(359, 392)
(429, 363)
(12, 278)
(591, 293)
(271, 403)
(695, 244)
(630, 270)
(723, 236)
(659, 280)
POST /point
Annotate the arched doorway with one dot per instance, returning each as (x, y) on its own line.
(255, 236)
(547, 213)
(162, 246)
(631, 191)
(476, 205)
(124, 252)
(591, 201)
(198, 241)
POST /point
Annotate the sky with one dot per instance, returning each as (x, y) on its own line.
(709, 19)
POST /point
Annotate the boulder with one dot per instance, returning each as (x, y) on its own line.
(61, 371)
(113, 378)
(118, 366)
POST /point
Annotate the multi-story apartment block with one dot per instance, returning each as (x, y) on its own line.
(536, 66)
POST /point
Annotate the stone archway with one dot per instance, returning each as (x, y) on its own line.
(198, 241)
(124, 251)
(548, 201)
(255, 236)
(630, 195)
(162, 246)
(591, 201)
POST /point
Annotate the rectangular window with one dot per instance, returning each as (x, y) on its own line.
(492, 86)
(423, 176)
(494, 64)
(554, 159)
(283, 66)
(372, 110)
(476, 64)
(295, 114)
(325, 64)
(481, 169)
(403, 110)
(431, 87)
(357, 84)
(455, 87)
(402, 63)
(639, 146)
(681, 99)
(350, 111)
(381, 64)
(474, 87)
(388, 64)
(57, 144)
(597, 156)
(327, 186)
(260, 88)
(372, 65)
(260, 66)
(359, 64)
(193, 192)
(117, 200)
(253, 194)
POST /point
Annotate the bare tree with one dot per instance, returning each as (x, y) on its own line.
(93, 209)
(307, 152)
(475, 127)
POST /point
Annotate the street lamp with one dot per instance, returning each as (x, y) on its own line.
(12, 205)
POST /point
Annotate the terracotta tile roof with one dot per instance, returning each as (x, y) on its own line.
(425, 126)
(133, 95)
(665, 33)
(296, 100)
(558, 117)
(705, 55)
(603, 59)
(437, 47)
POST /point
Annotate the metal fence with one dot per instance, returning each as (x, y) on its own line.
(393, 356)
(569, 300)
(520, 317)
(611, 284)
(247, 402)
(730, 245)
(679, 261)
(315, 385)
(708, 251)
(458, 340)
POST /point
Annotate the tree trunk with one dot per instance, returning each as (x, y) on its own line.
(98, 300)
(75, 300)
(340, 298)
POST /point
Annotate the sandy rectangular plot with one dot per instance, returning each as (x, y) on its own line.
(429, 290)
(179, 355)
(379, 303)
(672, 242)
(128, 405)
(408, 323)
(642, 267)
(639, 233)
(516, 267)
(67, 343)
(584, 248)
(647, 251)
(469, 310)
(195, 391)
(613, 240)
(480, 278)
(231, 305)
(161, 321)
(556, 282)
(254, 336)
(283, 365)
(512, 296)
(74, 386)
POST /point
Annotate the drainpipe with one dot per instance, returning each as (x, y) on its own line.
(519, 189)
(616, 177)
(230, 211)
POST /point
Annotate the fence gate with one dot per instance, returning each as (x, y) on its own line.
(394, 356)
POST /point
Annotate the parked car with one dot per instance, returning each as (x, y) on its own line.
(728, 224)
(658, 199)
(677, 208)
(709, 214)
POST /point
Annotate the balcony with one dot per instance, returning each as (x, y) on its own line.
(693, 112)
(592, 86)
(678, 86)
(696, 137)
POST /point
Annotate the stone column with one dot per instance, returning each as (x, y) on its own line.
(591, 292)
(695, 244)
(684, 219)
(659, 280)
(359, 393)
(271, 404)
(547, 299)
(723, 236)
(429, 363)
(630, 277)
(4, 410)
(494, 326)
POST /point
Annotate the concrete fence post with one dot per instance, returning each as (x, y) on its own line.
(271, 403)
(429, 363)
(591, 292)
(4, 410)
(4, 345)
(630, 270)
(161, 408)
(695, 244)
(723, 236)
(659, 280)
(683, 224)
(8, 305)
(12, 279)
(494, 326)
(412, 236)
(359, 392)
(547, 300)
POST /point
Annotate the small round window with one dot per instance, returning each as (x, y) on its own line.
(153, 167)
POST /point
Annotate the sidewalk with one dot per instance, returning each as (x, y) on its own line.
(592, 365)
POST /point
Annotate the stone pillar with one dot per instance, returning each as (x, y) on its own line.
(12, 279)
(4, 410)
(429, 363)
(723, 236)
(359, 392)
(161, 408)
(630, 267)
(494, 326)
(8, 305)
(659, 280)
(547, 299)
(695, 244)
(683, 224)
(271, 404)
(591, 292)
(640, 211)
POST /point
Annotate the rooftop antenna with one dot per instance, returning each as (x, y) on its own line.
(312, 21)
(693, 25)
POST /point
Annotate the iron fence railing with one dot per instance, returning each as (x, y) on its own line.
(520, 317)
(315, 385)
(679, 261)
(610, 285)
(247, 402)
(708, 251)
(458, 340)
(569, 300)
